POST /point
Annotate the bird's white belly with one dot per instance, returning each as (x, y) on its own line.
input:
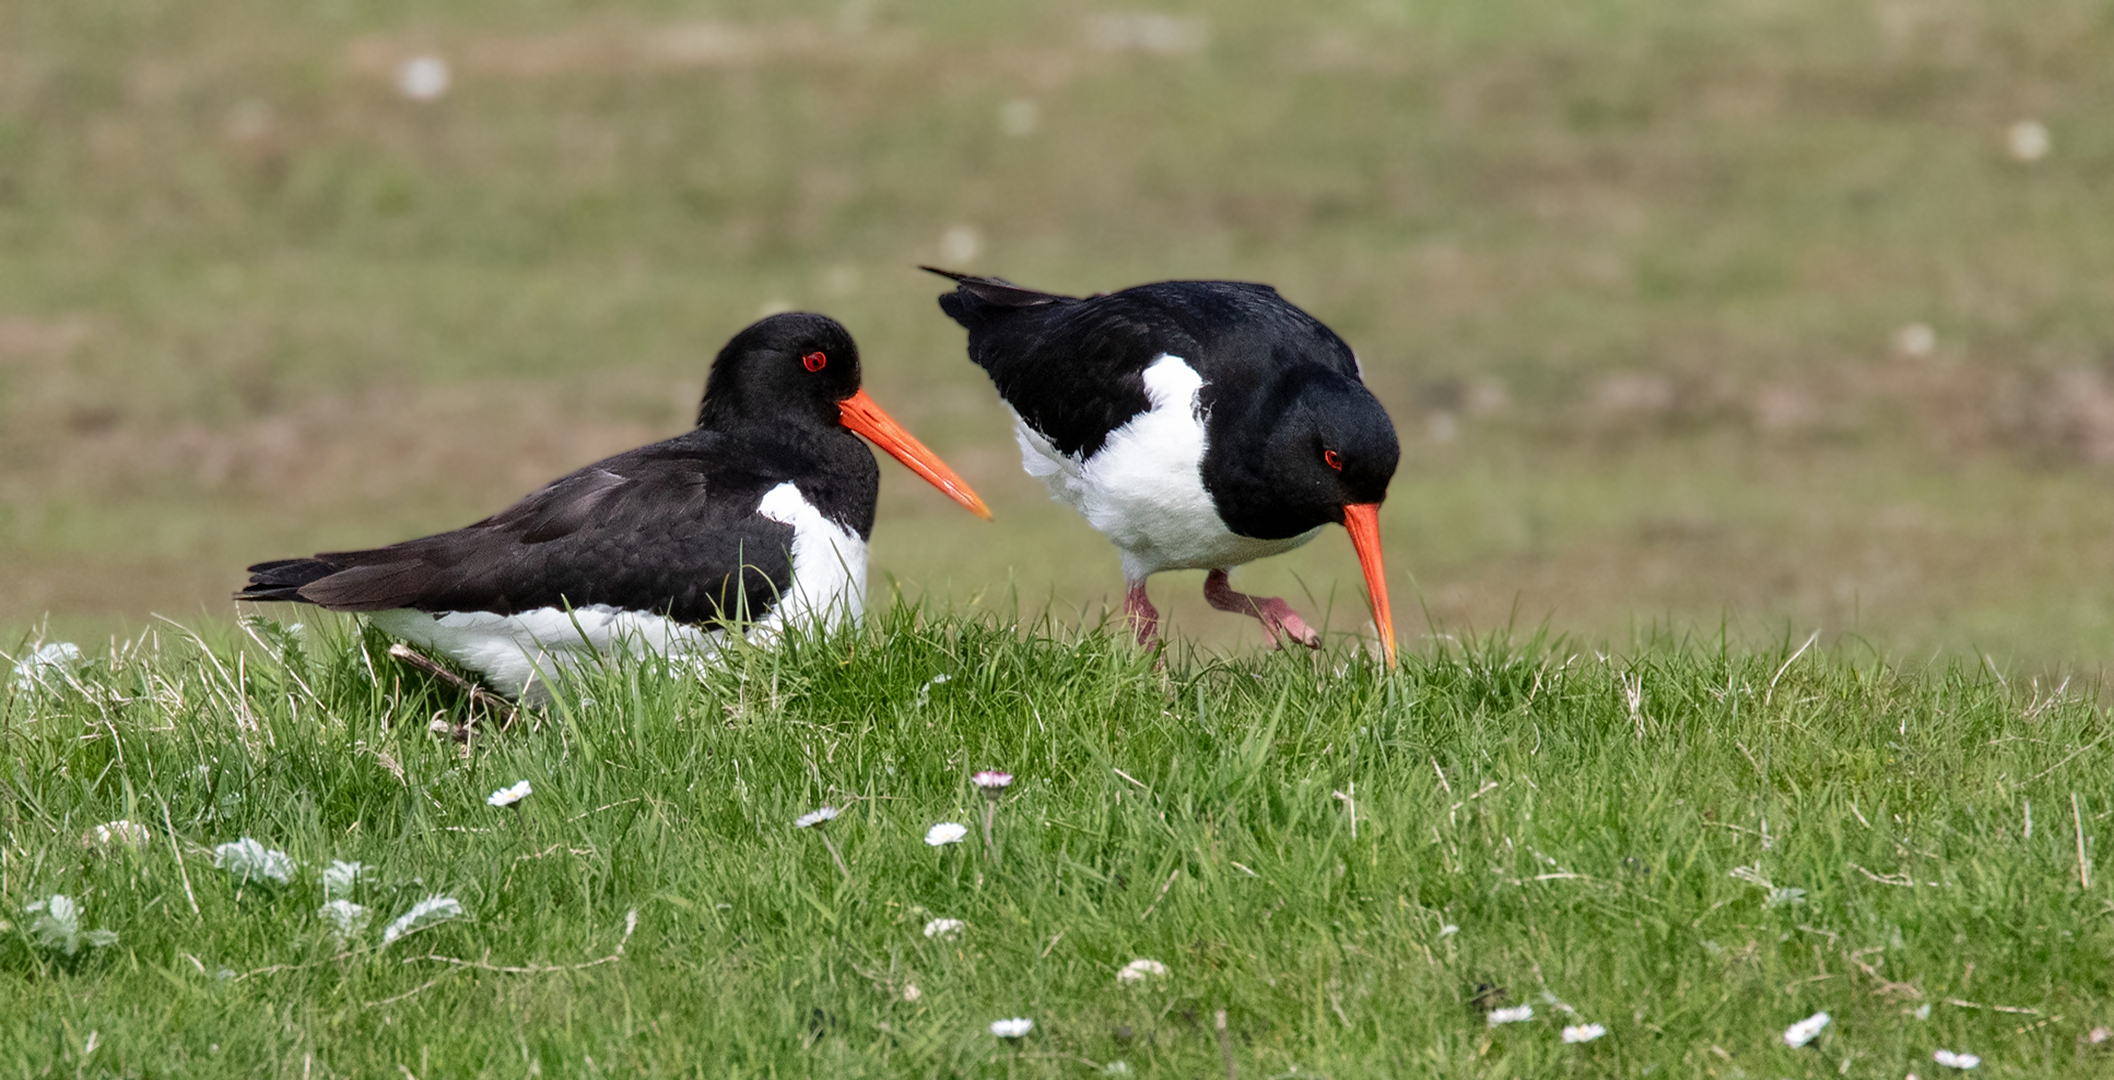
(1144, 489)
(525, 651)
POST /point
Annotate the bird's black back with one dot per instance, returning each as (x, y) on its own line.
(1073, 368)
(670, 528)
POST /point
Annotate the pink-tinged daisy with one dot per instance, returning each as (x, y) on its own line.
(993, 783)
(120, 833)
(815, 818)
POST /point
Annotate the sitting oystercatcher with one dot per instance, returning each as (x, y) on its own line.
(1197, 424)
(757, 519)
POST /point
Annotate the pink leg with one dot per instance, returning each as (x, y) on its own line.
(1276, 616)
(1141, 613)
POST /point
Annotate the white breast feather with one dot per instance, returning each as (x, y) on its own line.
(829, 566)
(1144, 489)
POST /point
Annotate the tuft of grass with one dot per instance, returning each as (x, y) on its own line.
(1694, 845)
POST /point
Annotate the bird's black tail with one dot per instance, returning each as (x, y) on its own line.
(974, 298)
(282, 579)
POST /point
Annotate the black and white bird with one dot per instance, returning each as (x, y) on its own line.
(758, 519)
(1197, 424)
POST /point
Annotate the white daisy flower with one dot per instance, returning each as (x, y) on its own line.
(431, 911)
(1141, 969)
(991, 780)
(423, 78)
(1514, 1015)
(345, 917)
(911, 992)
(1583, 1033)
(945, 928)
(1955, 1061)
(1805, 1031)
(508, 796)
(946, 832)
(1012, 1028)
(249, 860)
(1449, 930)
(815, 817)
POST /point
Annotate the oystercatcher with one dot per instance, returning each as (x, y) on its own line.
(1198, 424)
(756, 519)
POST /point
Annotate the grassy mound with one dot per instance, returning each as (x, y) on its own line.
(1693, 848)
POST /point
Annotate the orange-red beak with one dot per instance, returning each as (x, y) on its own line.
(863, 416)
(1363, 521)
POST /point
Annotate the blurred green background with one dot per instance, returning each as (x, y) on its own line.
(1782, 315)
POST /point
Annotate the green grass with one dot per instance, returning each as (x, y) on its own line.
(1578, 817)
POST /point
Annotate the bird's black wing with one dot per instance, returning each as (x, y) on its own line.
(1074, 368)
(656, 529)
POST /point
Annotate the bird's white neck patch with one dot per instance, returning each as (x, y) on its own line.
(829, 566)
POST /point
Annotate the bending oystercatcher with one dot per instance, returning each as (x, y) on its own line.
(757, 519)
(1198, 424)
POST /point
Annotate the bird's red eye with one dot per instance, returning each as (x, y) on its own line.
(814, 361)
(1330, 458)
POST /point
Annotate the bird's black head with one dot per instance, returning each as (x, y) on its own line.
(802, 371)
(785, 369)
(1316, 444)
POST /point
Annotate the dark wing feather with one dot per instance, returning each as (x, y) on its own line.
(1074, 368)
(998, 291)
(654, 529)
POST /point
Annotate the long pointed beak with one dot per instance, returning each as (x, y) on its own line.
(863, 416)
(1363, 521)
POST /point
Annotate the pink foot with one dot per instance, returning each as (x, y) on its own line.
(1277, 617)
(1143, 616)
